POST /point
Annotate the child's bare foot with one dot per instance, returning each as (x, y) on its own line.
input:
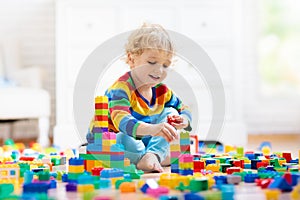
(149, 162)
(166, 162)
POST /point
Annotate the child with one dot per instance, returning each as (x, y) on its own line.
(139, 103)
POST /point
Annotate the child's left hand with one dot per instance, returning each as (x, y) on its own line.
(177, 121)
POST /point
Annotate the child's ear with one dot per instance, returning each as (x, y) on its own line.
(130, 60)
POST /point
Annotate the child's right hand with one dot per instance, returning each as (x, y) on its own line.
(165, 130)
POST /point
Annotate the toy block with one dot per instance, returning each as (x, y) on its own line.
(185, 142)
(101, 118)
(184, 135)
(233, 179)
(117, 164)
(106, 164)
(96, 171)
(90, 164)
(126, 187)
(98, 136)
(126, 162)
(6, 189)
(106, 148)
(101, 99)
(76, 168)
(117, 157)
(175, 154)
(71, 187)
(272, 194)
(109, 135)
(213, 167)
(231, 170)
(198, 165)
(94, 147)
(101, 123)
(97, 129)
(37, 187)
(175, 148)
(198, 185)
(101, 112)
(250, 178)
(295, 194)
(101, 106)
(76, 161)
(73, 176)
(85, 188)
(185, 148)
(186, 165)
(85, 179)
(108, 142)
(117, 148)
(186, 158)
(186, 172)
(111, 173)
(98, 163)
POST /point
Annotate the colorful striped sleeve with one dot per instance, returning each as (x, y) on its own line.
(119, 109)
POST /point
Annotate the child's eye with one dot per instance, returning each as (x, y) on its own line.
(151, 63)
(165, 66)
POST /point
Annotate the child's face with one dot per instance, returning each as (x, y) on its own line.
(150, 68)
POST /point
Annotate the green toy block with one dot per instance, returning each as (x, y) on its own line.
(101, 112)
(198, 185)
(117, 164)
(6, 189)
(44, 176)
(240, 151)
(213, 195)
(119, 182)
(74, 176)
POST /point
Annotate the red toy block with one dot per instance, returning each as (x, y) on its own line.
(101, 118)
(26, 158)
(287, 156)
(96, 171)
(263, 183)
(288, 177)
(231, 170)
(198, 165)
(101, 105)
(261, 164)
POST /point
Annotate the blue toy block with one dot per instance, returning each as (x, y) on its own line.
(111, 173)
(250, 156)
(76, 161)
(94, 147)
(254, 163)
(186, 172)
(295, 179)
(210, 161)
(270, 168)
(247, 165)
(165, 197)
(117, 148)
(85, 179)
(192, 196)
(144, 188)
(227, 192)
(64, 178)
(90, 137)
(117, 157)
(221, 179)
(71, 187)
(176, 171)
(185, 142)
(250, 178)
(258, 154)
(174, 166)
(53, 184)
(37, 187)
(104, 183)
(280, 183)
(28, 176)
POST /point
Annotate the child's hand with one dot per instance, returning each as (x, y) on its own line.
(177, 121)
(165, 130)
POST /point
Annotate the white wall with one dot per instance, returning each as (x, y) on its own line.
(32, 23)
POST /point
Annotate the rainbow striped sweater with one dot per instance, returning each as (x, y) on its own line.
(128, 108)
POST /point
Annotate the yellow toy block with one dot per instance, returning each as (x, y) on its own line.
(186, 165)
(101, 99)
(106, 164)
(272, 194)
(281, 161)
(76, 168)
(101, 123)
(229, 148)
(85, 188)
(108, 142)
(213, 167)
(175, 147)
(98, 163)
(126, 162)
(106, 148)
(295, 194)
(114, 180)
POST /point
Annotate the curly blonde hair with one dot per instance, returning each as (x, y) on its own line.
(149, 36)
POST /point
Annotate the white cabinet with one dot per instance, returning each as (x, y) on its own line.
(82, 25)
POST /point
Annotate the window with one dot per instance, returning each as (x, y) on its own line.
(279, 48)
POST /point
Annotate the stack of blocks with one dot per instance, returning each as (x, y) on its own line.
(178, 148)
(76, 169)
(102, 150)
(10, 173)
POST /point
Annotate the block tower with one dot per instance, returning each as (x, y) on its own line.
(102, 150)
(180, 155)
